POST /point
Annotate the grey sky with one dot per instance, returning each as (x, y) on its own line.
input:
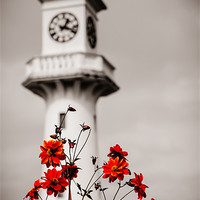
(154, 46)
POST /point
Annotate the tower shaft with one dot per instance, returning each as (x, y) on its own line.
(76, 79)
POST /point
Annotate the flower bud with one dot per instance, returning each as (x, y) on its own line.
(63, 141)
(71, 109)
(94, 159)
(71, 144)
(85, 127)
(54, 136)
(97, 186)
(58, 129)
(130, 183)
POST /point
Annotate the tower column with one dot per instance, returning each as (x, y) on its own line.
(76, 79)
(84, 101)
(70, 72)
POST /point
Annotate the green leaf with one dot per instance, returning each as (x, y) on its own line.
(79, 186)
(89, 196)
(76, 159)
(103, 189)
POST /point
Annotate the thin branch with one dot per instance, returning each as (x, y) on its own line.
(70, 157)
(104, 194)
(92, 178)
(84, 143)
(70, 195)
(40, 196)
(77, 144)
(67, 157)
(63, 118)
(95, 181)
(117, 191)
(127, 194)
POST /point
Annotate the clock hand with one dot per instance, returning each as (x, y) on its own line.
(73, 29)
(66, 22)
(62, 27)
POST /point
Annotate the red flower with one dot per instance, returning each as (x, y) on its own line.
(139, 187)
(54, 182)
(116, 151)
(33, 193)
(115, 169)
(52, 153)
(70, 171)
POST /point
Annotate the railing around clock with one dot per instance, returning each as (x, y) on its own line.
(67, 64)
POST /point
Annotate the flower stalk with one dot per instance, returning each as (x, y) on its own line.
(57, 181)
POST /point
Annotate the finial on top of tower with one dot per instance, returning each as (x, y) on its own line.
(98, 5)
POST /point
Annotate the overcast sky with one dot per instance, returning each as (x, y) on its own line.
(154, 46)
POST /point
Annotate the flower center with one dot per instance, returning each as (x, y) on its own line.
(55, 181)
(33, 188)
(49, 153)
(114, 168)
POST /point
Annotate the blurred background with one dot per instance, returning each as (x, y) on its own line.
(154, 45)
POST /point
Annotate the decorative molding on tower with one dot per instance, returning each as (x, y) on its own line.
(87, 67)
(98, 5)
(68, 65)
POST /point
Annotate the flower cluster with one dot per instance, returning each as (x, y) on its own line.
(117, 165)
(57, 181)
(116, 168)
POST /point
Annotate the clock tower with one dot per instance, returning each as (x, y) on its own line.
(70, 71)
(70, 26)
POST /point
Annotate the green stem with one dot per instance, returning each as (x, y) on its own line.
(127, 194)
(83, 144)
(67, 158)
(95, 181)
(91, 178)
(77, 144)
(63, 119)
(40, 196)
(70, 155)
(70, 195)
(83, 197)
(104, 194)
(117, 191)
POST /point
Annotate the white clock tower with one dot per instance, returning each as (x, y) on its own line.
(70, 26)
(70, 71)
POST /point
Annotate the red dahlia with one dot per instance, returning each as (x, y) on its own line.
(70, 171)
(33, 193)
(116, 151)
(139, 187)
(115, 168)
(54, 182)
(52, 153)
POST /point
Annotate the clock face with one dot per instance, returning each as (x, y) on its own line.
(63, 27)
(91, 32)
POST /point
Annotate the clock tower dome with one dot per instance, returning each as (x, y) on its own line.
(70, 26)
(70, 71)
